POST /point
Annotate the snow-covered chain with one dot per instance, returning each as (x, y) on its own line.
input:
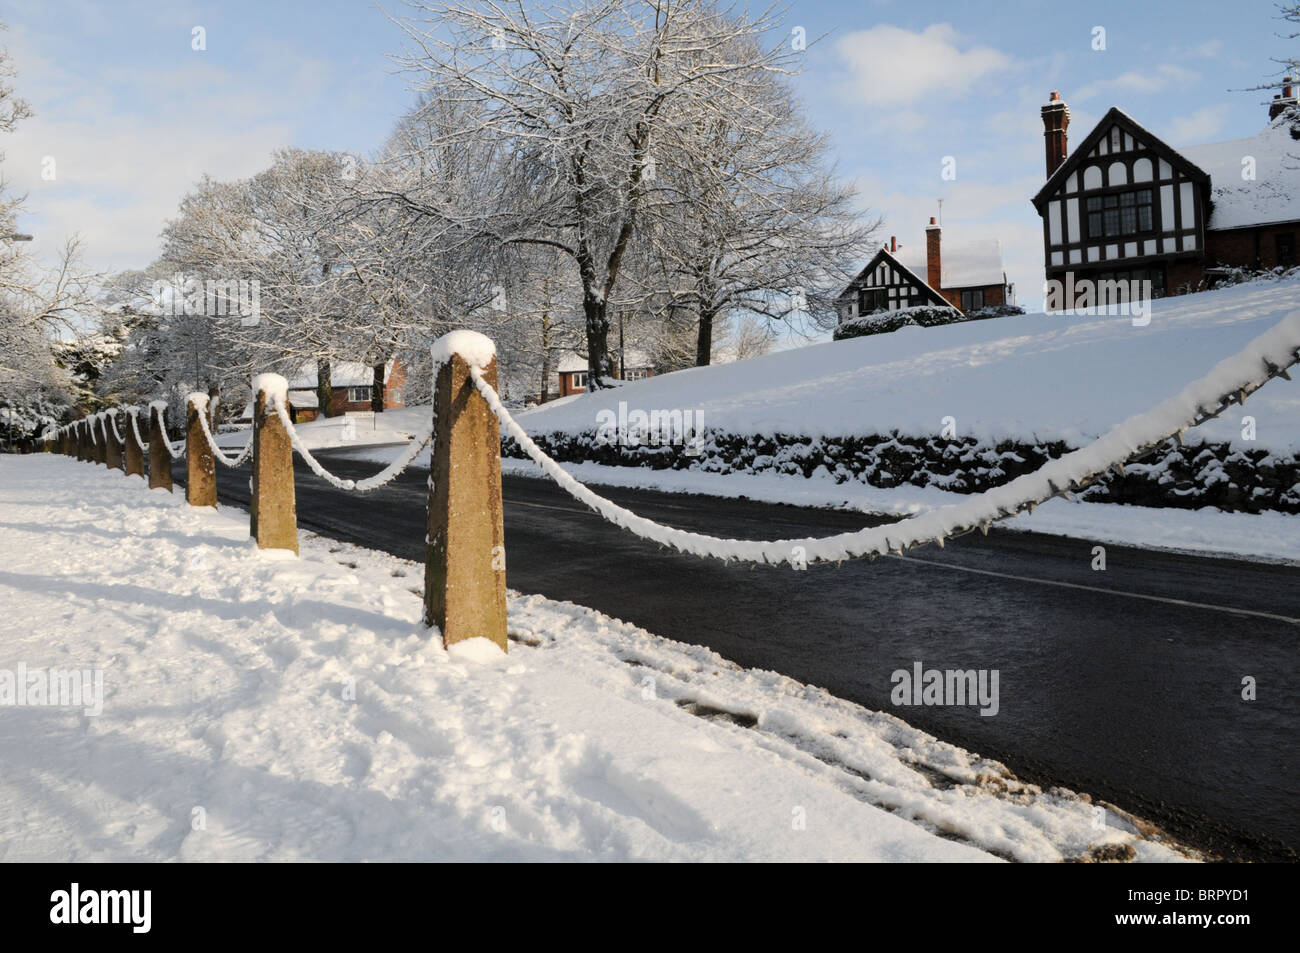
(159, 407)
(384, 476)
(133, 413)
(1229, 381)
(111, 417)
(216, 451)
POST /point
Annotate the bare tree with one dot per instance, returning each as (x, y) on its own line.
(580, 102)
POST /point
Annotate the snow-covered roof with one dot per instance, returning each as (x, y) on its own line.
(632, 358)
(1273, 195)
(963, 264)
(342, 374)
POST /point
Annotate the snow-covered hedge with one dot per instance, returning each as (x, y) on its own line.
(882, 322)
(1191, 476)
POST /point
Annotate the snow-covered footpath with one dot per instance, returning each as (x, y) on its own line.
(258, 706)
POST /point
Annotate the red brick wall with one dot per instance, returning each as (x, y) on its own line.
(993, 295)
(1248, 247)
(396, 382)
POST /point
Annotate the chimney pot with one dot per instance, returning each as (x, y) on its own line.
(893, 243)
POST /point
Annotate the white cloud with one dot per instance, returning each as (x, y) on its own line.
(129, 145)
(893, 66)
(1200, 126)
(1138, 81)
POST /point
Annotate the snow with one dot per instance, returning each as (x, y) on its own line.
(476, 349)
(263, 709)
(392, 426)
(342, 374)
(632, 360)
(966, 264)
(1027, 377)
(1272, 195)
(275, 386)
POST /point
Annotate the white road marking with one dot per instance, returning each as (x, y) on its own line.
(1018, 578)
(1101, 589)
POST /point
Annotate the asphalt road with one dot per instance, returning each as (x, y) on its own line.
(1124, 683)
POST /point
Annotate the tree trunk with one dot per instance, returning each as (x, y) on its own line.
(214, 398)
(542, 392)
(377, 389)
(324, 389)
(704, 342)
(598, 369)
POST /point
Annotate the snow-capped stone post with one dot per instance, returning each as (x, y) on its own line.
(112, 446)
(83, 441)
(160, 458)
(200, 467)
(464, 575)
(272, 509)
(134, 449)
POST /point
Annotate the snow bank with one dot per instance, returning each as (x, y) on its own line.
(257, 709)
(1037, 377)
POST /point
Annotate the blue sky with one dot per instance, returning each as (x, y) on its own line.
(132, 115)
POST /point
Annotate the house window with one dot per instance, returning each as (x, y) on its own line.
(1286, 249)
(580, 379)
(358, 395)
(972, 300)
(1121, 213)
(636, 373)
(872, 299)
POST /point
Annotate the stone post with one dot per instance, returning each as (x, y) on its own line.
(113, 457)
(83, 441)
(272, 509)
(100, 429)
(200, 467)
(160, 459)
(134, 450)
(464, 577)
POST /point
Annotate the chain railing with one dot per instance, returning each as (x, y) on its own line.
(1230, 381)
(465, 581)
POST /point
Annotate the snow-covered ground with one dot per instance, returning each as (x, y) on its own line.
(258, 706)
(326, 433)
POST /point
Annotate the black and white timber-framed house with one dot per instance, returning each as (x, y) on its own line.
(1127, 206)
(966, 276)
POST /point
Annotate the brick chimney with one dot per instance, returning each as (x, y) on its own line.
(1282, 100)
(893, 243)
(933, 264)
(1056, 119)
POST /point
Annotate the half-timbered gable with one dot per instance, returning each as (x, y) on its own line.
(886, 284)
(1123, 205)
